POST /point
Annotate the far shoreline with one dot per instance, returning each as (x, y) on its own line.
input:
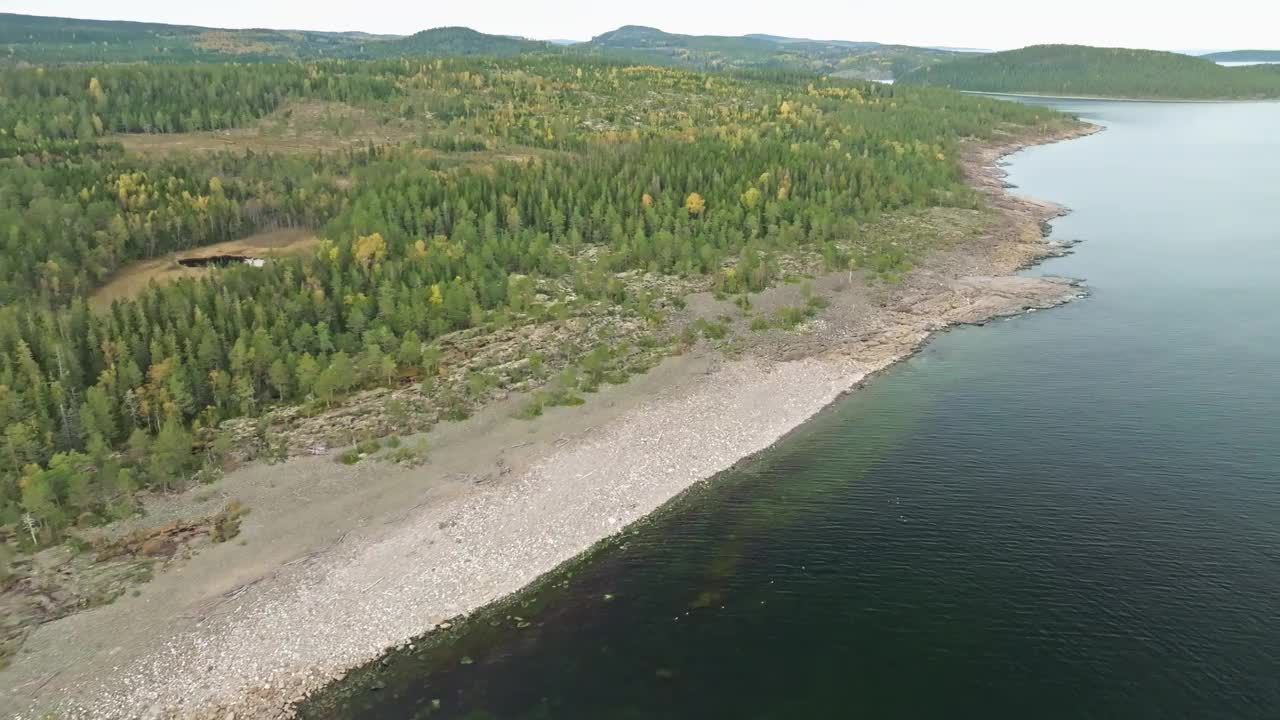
(1104, 98)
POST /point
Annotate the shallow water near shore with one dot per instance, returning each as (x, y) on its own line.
(1070, 514)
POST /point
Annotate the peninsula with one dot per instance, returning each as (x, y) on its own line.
(1081, 71)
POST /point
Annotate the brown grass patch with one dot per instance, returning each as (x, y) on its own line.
(135, 277)
(295, 128)
(233, 42)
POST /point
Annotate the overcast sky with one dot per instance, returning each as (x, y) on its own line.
(997, 24)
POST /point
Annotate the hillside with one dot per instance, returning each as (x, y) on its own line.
(458, 41)
(863, 60)
(1244, 56)
(637, 37)
(35, 39)
(1076, 70)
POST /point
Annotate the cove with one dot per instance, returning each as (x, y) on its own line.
(1070, 514)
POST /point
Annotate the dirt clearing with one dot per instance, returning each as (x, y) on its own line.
(134, 278)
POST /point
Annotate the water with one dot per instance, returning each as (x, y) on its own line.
(1072, 514)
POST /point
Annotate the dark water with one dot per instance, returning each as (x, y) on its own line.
(1073, 514)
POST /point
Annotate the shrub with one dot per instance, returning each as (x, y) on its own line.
(226, 524)
(453, 407)
(479, 383)
(715, 331)
(531, 409)
(411, 455)
(711, 329)
(562, 397)
(790, 316)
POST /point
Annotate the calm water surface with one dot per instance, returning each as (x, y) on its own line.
(1072, 514)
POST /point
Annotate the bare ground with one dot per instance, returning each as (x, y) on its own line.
(336, 563)
(135, 277)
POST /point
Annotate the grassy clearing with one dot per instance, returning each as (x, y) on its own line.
(319, 126)
(299, 127)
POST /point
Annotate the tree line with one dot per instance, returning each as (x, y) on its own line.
(84, 102)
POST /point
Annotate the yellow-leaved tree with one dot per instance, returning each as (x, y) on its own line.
(695, 204)
(95, 91)
(370, 249)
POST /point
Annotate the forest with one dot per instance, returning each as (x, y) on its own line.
(608, 170)
(1077, 70)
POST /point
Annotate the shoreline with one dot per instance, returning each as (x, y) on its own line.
(1105, 98)
(555, 493)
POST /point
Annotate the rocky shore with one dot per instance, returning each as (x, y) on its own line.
(503, 503)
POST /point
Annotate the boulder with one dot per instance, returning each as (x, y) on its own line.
(159, 546)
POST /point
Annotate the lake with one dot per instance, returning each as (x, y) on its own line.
(1070, 514)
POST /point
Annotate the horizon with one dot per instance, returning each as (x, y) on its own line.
(929, 23)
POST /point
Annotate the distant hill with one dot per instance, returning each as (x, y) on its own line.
(867, 60)
(638, 37)
(37, 39)
(840, 43)
(33, 38)
(1077, 70)
(459, 41)
(1244, 56)
(961, 49)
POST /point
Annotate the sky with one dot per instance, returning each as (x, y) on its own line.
(994, 24)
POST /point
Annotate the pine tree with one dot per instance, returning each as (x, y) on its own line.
(170, 456)
(281, 378)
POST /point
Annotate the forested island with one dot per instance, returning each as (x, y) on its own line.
(1081, 71)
